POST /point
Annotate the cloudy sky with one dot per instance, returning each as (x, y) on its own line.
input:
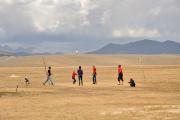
(85, 25)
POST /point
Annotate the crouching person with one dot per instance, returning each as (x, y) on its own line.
(27, 81)
(132, 83)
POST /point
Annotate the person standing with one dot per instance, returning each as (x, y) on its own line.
(120, 75)
(80, 76)
(74, 77)
(49, 76)
(94, 75)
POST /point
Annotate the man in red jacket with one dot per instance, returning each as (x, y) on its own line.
(94, 75)
(120, 75)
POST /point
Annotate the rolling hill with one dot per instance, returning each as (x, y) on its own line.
(2, 53)
(6, 50)
(141, 47)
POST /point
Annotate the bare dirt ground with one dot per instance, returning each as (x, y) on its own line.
(156, 97)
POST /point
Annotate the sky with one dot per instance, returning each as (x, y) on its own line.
(86, 25)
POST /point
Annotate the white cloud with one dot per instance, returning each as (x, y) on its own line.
(7, 2)
(136, 33)
(39, 27)
(2, 33)
(59, 16)
(105, 17)
(155, 11)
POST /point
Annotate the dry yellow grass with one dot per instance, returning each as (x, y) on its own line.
(156, 97)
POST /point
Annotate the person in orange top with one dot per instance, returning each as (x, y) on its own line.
(74, 77)
(120, 75)
(94, 75)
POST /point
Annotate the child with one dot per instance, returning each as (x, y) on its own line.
(132, 83)
(74, 77)
(27, 81)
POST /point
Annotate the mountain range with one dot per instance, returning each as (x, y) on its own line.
(20, 51)
(6, 51)
(140, 47)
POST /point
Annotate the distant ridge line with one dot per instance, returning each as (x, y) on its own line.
(140, 47)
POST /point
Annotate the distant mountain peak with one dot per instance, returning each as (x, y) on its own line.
(170, 41)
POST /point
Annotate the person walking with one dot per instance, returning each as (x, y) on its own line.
(49, 76)
(120, 75)
(94, 73)
(80, 76)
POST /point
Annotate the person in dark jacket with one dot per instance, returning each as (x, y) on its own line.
(27, 81)
(80, 76)
(49, 77)
(132, 83)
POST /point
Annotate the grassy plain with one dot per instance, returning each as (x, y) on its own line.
(156, 97)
